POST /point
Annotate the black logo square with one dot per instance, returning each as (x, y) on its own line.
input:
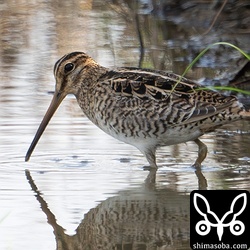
(220, 219)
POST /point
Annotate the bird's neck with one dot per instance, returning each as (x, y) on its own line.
(88, 90)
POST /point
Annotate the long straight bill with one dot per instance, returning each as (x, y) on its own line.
(57, 99)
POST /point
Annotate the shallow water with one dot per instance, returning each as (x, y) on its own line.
(87, 185)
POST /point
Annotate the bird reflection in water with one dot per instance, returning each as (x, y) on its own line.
(146, 218)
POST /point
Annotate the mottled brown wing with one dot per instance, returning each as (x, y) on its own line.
(147, 83)
(192, 102)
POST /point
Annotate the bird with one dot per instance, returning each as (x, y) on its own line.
(143, 107)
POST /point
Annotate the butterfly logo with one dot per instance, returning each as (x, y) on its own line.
(203, 227)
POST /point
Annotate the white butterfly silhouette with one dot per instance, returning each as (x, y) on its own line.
(203, 227)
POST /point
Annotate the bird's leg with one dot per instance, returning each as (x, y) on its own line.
(150, 155)
(202, 153)
(151, 177)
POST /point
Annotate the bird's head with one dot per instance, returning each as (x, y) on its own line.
(71, 71)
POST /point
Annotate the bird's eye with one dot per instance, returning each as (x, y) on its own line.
(68, 67)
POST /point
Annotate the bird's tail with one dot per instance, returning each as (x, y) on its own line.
(246, 107)
(245, 114)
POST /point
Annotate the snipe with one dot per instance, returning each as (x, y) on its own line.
(141, 107)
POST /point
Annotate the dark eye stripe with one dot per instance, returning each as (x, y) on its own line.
(74, 56)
